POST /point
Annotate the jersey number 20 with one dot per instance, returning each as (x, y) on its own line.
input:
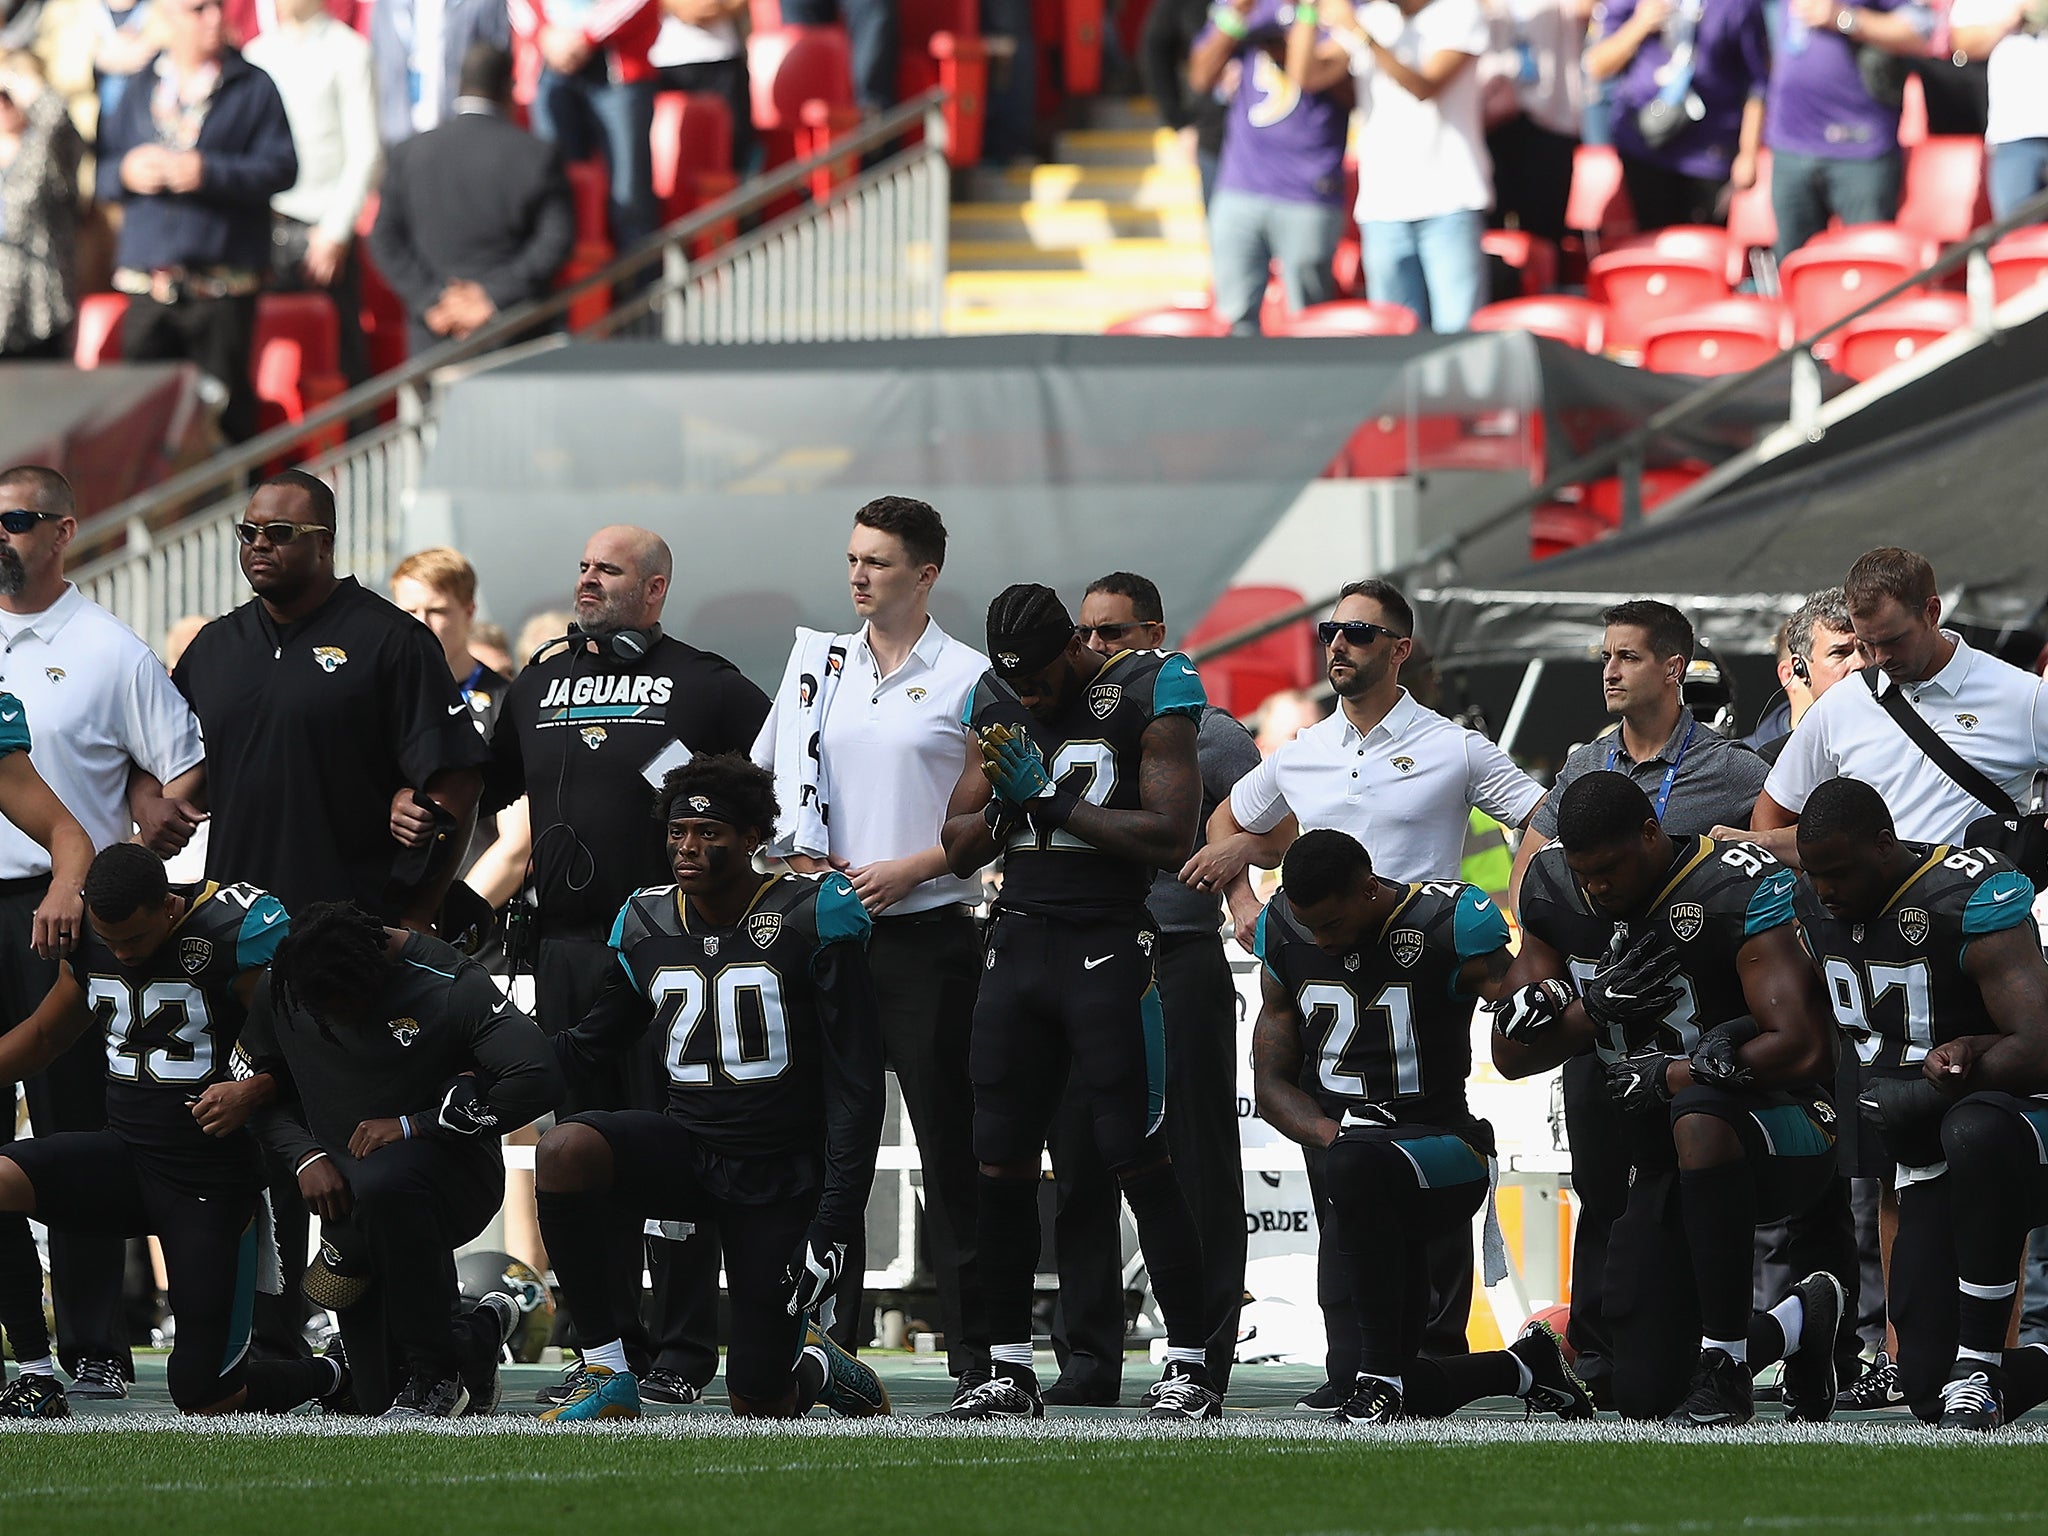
(686, 997)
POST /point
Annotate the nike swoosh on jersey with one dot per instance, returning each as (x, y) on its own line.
(456, 709)
(271, 917)
(2005, 894)
(10, 719)
(1089, 965)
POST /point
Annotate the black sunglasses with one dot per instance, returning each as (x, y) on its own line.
(280, 533)
(21, 520)
(1110, 632)
(1354, 631)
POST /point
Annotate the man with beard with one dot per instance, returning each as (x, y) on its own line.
(1402, 780)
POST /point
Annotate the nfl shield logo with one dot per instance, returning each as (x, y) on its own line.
(1856, 934)
(1687, 919)
(1102, 699)
(195, 955)
(711, 947)
(1406, 945)
(1915, 925)
(764, 928)
(1351, 962)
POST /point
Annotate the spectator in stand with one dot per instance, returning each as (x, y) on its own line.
(596, 95)
(1426, 181)
(2013, 36)
(194, 154)
(416, 52)
(1197, 117)
(475, 215)
(322, 70)
(1280, 181)
(1533, 92)
(1685, 91)
(126, 38)
(1010, 133)
(1834, 143)
(872, 31)
(700, 49)
(39, 155)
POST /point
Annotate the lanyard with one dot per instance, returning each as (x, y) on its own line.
(476, 677)
(1670, 774)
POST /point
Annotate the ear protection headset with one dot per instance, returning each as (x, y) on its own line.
(623, 645)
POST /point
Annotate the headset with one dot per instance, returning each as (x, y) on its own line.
(1801, 670)
(624, 645)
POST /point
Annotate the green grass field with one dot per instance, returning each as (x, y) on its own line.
(140, 1471)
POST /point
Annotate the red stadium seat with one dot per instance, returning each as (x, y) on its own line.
(1731, 335)
(1243, 679)
(1841, 270)
(1596, 512)
(1912, 113)
(1574, 321)
(1531, 256)
(940, 44)
(2019, 261)
(1639, 286)
(1660, 484)
(295, 356)
(1171, 322)
(1703, 242)
(1752, 221)
(1557, 526)
(790, 67)
(1597, 208)
(590, 189)
(99, 329)
(1945, 195)
(1349, 317)
(1893, 333)
(692, 139)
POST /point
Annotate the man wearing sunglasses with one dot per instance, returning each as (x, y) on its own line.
(101, 706)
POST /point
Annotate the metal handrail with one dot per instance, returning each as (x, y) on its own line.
(400, 386)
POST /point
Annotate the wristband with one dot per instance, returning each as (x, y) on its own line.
(1229, 23)
(404, 1128)
(1304, 11)
(309, 1162)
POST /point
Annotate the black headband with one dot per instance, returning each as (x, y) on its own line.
(707, 808)
(1021, 655)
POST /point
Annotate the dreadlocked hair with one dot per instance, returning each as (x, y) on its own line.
(125, 878)
(334, 955)
(1025, 609)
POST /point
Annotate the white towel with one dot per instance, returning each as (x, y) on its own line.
(788, 743)
(1493, 1247)
(269, 1267)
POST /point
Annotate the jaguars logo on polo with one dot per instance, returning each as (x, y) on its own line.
(1687, 919)
(54, 674)
(1915, 925)
(1405, 764)
(195, 954)
(763, 928)
(593, 736)
(915, 695)
(1967, 722)
(329, 658)
(1405, 945)
(1103, 698)
(404, 1031)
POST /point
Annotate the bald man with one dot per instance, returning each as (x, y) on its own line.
(586, 733)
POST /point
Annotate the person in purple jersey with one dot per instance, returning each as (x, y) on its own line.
(1832, 113)
(1280, 182)
(1711, 60)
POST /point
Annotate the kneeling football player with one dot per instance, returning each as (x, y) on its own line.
(406, 1064)
(1935, 971)
(1719, 1055)
(759, 985)
(165, 972)
(1361, 1053)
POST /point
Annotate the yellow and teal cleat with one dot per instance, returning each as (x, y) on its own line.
(601, 1394)
(852, 1390)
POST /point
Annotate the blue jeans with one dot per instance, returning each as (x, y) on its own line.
(583, 116)
(871, 35)
(1248, 232)
(1806, 189)
(1434, 267)
(2018, 171)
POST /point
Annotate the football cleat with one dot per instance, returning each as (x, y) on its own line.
(34, 1397)
(1809, 1385)
(99, 1381)
(1556, 1388)
(1000, 1397)
(659, 1384)
(1330, 1397)
(343, 1398)
(852, 1389)
(487, 1390)
(1720, 1396)
(1184, 1392)
(1877, 1387)
(422, 1398)
(559, 1392)
(601, 1394)
(1372, 1401)
(972, 1378)
(1973, 1397)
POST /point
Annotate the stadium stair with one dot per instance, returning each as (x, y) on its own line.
(1112, 227)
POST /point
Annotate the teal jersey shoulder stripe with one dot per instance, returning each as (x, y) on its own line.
(1261, 945)
(13, 725)
(1770, 904)
(1177, 688)
(618, 937)
(265, 923)
(840, 915)
(2004, 901)
(1478, 927)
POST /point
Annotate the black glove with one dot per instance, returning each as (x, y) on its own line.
(1528, 1011)
(813, 1271)
(465, 1111)
(1713, 1059)
(1637, 1083)
(1635, 985)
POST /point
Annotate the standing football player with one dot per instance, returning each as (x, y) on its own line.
(1935, 971)
(1677, 961)
(1362, 1047)
(760, 989)
(165, 973)
(1087, 787)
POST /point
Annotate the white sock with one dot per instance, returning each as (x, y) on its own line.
(1010, 1354)
(336, 1366)
(1178, 1356)
(611, 1356)
(1392, 1381)
(1988, 1292)
(1525, 1379)
(1977, 1355)
(43, 1367)
(1736, 1349)
(1790, 1315)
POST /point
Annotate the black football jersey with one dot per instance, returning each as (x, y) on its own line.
(1717, 897)
(170, 1026)
(1096, 750)
(1897, 982)
(1385, 1024)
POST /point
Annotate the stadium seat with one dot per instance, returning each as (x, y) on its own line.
(943, 46)
(295, 356)
(1840, 270)
(99, 329)
(1731, 335)
(1704, 242)
(1945, 195)
(692, 146)
(1597, 207)
(1349, 317)
(1912, 113)
(1874, 342)
(1171, 322)
(1593, 511)
(2019, 261)
(590, 189)
(1243, 679)
(1531, 257)
(1574, 321)
(1753, 227)
(788, 67)
(1639, 286)
(1660, 484)
(1557, 526)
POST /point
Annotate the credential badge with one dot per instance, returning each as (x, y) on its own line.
(764, 928)
(1406, 945)
(1915, 925)
(1687, 919)
(195, 954)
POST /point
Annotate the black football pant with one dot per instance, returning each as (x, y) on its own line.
(411, 1205)
(679, 1331)
(217, 335)
(71, 1095)
(1600, 1186)
(927, 967)
(1198, 1000)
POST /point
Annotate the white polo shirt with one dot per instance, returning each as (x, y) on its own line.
(1991, 712)
(97, 700)
(893, 748)
(1405, 788)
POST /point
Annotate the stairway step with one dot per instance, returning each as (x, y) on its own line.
(1065, 226)
(1175, 261)
(1147, 186)
(1123, 112)
(1116, 146)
